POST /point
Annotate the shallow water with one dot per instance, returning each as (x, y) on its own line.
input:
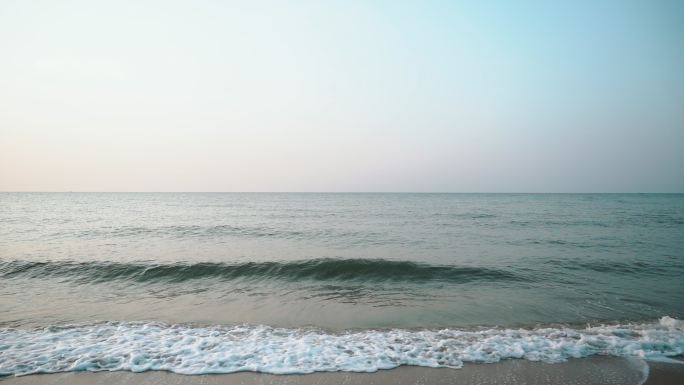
(340, 263)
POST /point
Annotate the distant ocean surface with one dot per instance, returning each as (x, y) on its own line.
(296, 283)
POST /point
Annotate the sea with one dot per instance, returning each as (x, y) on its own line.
(196, 283)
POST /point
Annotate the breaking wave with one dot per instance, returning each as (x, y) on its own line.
(138, 347)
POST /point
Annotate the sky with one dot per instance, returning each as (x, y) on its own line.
(420, 96)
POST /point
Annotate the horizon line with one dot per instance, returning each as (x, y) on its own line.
(334, 192)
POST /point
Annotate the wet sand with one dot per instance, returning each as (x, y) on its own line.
(588, 371)
(665, 374)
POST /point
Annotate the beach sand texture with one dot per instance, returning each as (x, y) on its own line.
(587, 371)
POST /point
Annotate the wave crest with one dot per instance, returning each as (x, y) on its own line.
(355, 270)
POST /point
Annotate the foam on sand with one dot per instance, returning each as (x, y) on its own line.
(139, 347)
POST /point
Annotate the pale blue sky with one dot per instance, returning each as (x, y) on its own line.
(536, 96)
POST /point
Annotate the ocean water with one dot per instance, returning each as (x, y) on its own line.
(295, 283)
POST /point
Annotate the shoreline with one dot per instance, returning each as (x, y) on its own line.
(582, 371)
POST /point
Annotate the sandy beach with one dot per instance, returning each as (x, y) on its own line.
(591, 371)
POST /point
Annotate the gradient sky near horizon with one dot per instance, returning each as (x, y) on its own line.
(491, 96)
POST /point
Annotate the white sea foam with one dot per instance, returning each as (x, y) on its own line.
(141, 347)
